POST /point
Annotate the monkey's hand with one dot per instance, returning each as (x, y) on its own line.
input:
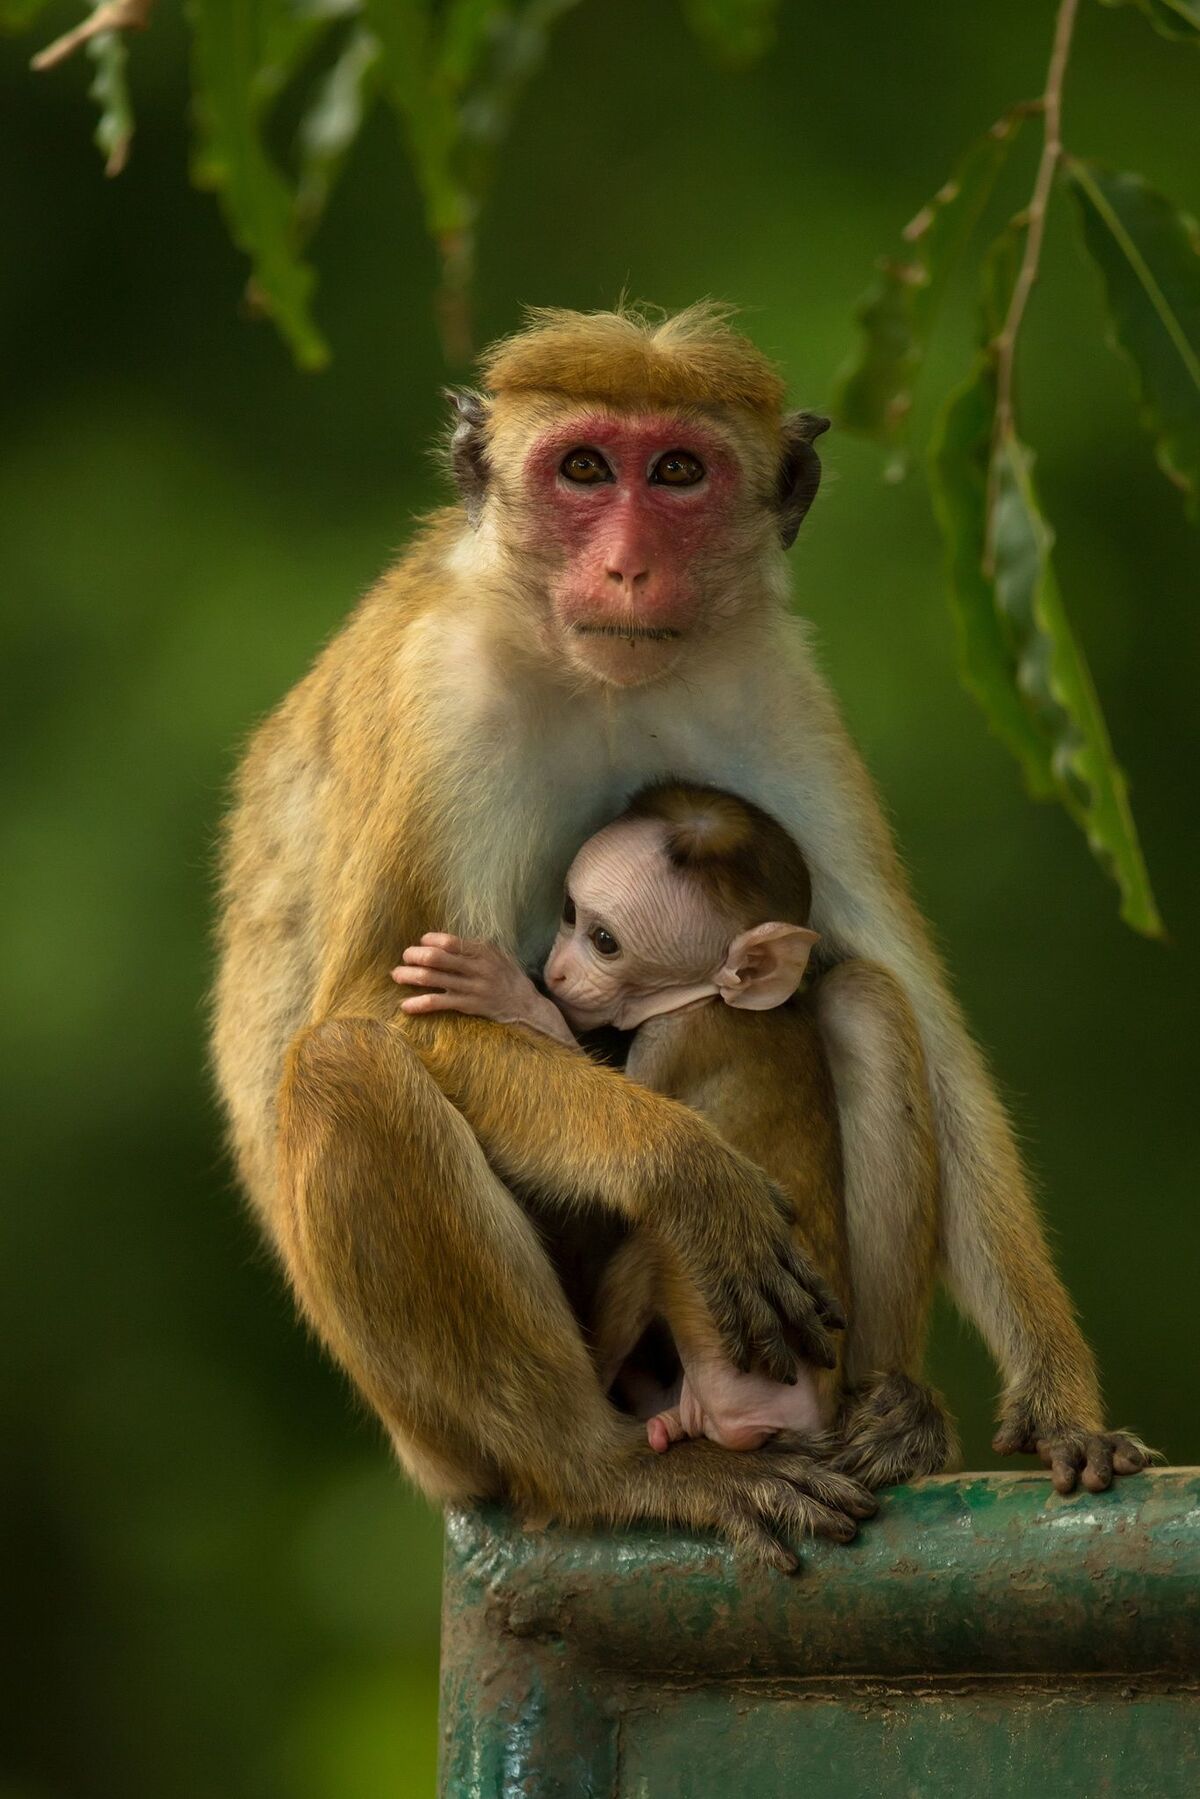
(459, 974)
(766, 1299)
(1070, 1450)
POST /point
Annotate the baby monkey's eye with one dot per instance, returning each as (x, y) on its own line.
(677, 468)
(568, 912)
(604, 941)
(585, 466)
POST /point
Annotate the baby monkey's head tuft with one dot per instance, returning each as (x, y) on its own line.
(742, 858)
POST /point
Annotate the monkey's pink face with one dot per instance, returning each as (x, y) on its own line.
(632, 930)
(645, 516)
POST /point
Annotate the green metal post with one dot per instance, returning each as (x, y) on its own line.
(983, 1636)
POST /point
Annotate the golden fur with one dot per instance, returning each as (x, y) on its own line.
(625, 358)
(437, 769)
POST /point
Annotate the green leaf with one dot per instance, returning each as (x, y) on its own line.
(987, 659)
(1019, 657)
(1149, 256)
(1056, 684)
(738, 31)
(1178, 19)
(454, 75)
(874, 393)
(232, 46)
(110, 91)
(332, 122)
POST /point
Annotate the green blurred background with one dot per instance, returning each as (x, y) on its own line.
(220, 1586)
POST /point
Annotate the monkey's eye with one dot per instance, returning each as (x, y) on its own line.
(585, 466)
(677, 468)
(568, 912)
(604, 941)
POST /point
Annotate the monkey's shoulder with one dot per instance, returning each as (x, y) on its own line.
(715, 1057)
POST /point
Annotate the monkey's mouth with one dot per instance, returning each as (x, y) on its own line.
(631, 633)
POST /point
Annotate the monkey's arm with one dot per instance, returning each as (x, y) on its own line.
(993, 1249)
(580, 1133)
(464, 975)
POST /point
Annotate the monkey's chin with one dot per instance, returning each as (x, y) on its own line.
(621, 658)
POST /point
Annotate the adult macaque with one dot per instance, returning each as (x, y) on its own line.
(609, 603)
(684, 922)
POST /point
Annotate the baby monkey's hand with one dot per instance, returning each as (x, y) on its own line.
(461, 974)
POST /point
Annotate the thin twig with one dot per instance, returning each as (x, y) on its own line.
(113, 15)
(1004, 346)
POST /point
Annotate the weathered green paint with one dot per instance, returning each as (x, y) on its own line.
(982, 1636)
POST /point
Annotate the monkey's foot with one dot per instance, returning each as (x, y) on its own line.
(893, 1429)
(1073, 1453)
(763, 1501)
(738, 1411)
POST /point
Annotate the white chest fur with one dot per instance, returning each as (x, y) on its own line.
(538, 770)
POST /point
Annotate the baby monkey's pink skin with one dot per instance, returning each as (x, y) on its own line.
(637, 940)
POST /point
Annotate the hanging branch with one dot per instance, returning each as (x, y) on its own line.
(113, 15)
(1034, 217)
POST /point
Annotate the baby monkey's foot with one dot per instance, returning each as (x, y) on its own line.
(736, 1410)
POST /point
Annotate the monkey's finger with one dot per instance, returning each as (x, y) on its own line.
(664, 1429)
(1063, 1460)
(443, 940)
(1130, 1454)
(430, 977)
(829, 1308)
(746, 1533)
(800, 1515)
(794, 1305)
(438, 1002)
(1098, 1467)
(1013, 1439)
(776, 1360)
(424, 955)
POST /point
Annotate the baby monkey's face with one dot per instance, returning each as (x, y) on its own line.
(637, 938)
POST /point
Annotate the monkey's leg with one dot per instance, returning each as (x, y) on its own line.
(893, 1426)
(429, 1284)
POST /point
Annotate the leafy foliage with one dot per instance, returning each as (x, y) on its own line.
(875, 392)
(1149, 256)
(238, 52)
(453, 72)
(1019, 656)
(110, 91)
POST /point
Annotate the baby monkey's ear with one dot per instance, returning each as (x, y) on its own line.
(765, 966)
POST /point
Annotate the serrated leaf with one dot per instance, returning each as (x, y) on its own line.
(1019, 656)
(1177, 19)
(1149, 257)
(454, 75)
(987, 661)
(1056, 684)
(874, 393)
(738, 31)
(230, 53)
(110, 91)
(332, 122)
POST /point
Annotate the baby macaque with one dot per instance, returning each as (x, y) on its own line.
(684, 922)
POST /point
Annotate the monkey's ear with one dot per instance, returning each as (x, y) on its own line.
(468, 447)
(765, 966)
(799, 472)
